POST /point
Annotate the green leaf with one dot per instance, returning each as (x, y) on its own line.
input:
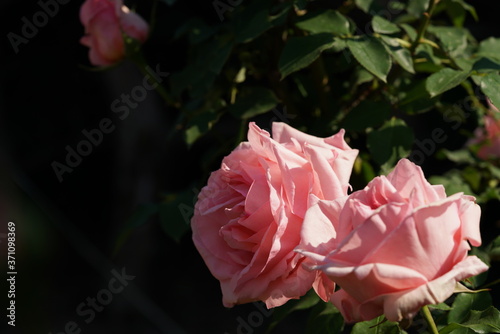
(370, 6)
(481, 321)
(444, 80)
(176, 212)
(494, 249)
(489, 48)
(440, 306)
(391, 142)
(253, 101)
(376, 326)
(383, 26)
(467, 7)
(169, 2)
(459, 156)
(367, 114)
(486, 65)
(371, 54)
(415, 98)
(457, 11)
(300, 52)
(464, 303)
(417, 7)
(325, 21)
(490, 85)
(324, 318)
(200, 123)
(400, 54)
(253, 19)
(307, 301)
(452, 182)
(410, 31)
(452, 39)
(206, 64)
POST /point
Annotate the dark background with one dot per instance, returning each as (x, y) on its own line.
(67, 231)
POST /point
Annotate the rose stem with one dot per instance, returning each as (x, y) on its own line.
(430, 321)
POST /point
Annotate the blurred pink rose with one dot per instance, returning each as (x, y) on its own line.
(395, 246)
(247, 219)
(104, 22)
(490, 141)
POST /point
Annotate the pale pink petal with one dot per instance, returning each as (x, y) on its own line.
(405, 304)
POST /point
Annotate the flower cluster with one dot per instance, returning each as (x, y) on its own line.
(276, 220)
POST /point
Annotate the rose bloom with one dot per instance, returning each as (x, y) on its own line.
(395, 246)
(490, 141)
(248, 217)
(104, 22)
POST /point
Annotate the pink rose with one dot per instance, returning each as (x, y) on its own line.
(104, 22)
(248, 217)
(488, 138)
(395, 246)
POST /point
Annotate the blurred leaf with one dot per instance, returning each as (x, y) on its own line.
(367, 114)
(440, 306)
(452, 39)
(490, 85)
(417, 7)
(494, 249)
(299, 52)
(486, 65)
(377, 326)
(391, 142)
(206, 64)
(410, 31)
(307, 301)
(360, 76)
(370, 6)
(251, 21)
(457, 10)
(176, 211)
(472, 176)
(371, 54)
(401, 55)
(253, 101)
(426, 51)
(489, 48)
(464, 303)
(444, 80)
(324, 318)
(452, 182)
(467, 7)
(383, 26)
(169, 2)
(325, 21)
(459, 156)
(481, 321)
(415, 98)
(200, 125)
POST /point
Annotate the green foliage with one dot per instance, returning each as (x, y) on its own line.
(377, 326)
(371, 54)
(300, 52)
(390, 143)
(386, 72)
